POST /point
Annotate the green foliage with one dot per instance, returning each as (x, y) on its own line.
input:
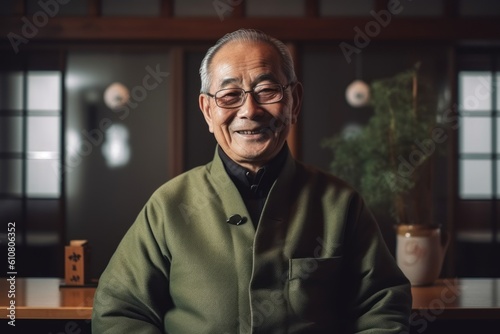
(373, 160)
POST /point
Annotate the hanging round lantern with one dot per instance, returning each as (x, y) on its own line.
(116, 95)
(357, 93)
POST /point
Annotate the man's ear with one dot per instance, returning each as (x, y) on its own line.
(204, 102)
(297, 92)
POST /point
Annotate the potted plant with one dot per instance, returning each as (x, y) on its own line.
(389, 161)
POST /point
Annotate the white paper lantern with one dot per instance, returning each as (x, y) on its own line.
(116, 95)
(357, 93)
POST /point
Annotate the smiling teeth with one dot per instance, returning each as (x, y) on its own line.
(250, 132)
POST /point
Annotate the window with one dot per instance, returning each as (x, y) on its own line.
(30, 140)
(477, 207)
(479, 137)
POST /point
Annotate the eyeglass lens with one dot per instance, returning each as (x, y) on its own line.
(235, 97)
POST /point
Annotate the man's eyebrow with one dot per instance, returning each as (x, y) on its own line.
(256, 81)
(229, 81)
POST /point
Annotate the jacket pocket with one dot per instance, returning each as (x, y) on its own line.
(312, 283)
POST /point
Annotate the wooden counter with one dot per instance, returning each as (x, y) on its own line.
(474, 299)
(465, 298)
(42, 298)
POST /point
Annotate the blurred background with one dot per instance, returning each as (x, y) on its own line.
(99, 107)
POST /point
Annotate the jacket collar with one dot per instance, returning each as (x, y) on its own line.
(278, 201)
(258, 185)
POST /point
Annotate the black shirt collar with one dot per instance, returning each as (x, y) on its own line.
(258, 185)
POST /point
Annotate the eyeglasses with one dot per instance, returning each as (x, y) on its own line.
(235, 97)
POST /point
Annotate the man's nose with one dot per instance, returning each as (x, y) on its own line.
(250, 108)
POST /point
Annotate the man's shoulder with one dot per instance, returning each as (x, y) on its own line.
(183, 181)
(312, 174)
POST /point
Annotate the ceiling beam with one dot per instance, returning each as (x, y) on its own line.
(207, 29)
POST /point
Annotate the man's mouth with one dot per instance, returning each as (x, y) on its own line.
(252, 132)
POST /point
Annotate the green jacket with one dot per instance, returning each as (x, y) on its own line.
(315, 264)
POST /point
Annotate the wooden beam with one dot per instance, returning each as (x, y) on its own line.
(452, 161)
(77, 29)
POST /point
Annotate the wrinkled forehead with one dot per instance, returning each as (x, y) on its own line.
(246, 62)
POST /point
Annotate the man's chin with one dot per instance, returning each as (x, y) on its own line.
(257, 153)
(255, 150)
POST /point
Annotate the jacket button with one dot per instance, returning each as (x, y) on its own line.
(236, 220)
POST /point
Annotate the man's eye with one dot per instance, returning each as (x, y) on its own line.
(229, 97)
(233, 94)
(230, 94)
(268, 91)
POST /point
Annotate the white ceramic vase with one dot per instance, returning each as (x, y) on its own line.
(420, 251)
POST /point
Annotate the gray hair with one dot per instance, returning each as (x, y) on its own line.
(246, 35)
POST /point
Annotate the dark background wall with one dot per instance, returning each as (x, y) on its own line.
(103, 201)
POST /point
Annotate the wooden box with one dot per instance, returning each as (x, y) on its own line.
(76, 262)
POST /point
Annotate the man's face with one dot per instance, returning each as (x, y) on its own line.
(252, 134)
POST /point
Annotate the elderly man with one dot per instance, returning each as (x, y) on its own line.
(254, 241)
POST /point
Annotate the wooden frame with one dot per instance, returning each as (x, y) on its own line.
(66, 29)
